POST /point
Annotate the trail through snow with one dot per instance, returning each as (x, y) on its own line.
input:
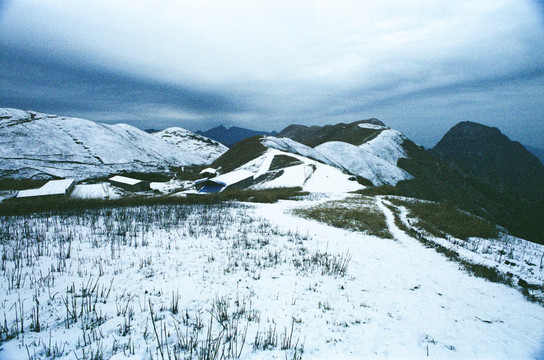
(408, 301)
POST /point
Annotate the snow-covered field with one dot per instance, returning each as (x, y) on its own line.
(247, 281)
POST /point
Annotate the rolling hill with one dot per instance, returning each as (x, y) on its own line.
(372, 162)
(36, 145)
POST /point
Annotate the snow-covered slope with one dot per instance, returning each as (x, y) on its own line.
(363, 163)
(35, 144)
(205, 148)
(294, 147)
(310, 175)
(387, 146)
(375, 160)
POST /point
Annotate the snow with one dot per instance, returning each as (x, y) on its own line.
(171, 186)
(387, 146)
(311, 175)
(94, 191)
(375, 160)
(372, 126)
(12, 115)
(232, 177)
(412, 301)
(397, 300)
(260, 165)
(125, 180)
(53, 187)
(208, 171)
(292, 176)
(291, 146)
(328, 179)
(37, 144)
(205, 148)
(509, 254)
(360, 162)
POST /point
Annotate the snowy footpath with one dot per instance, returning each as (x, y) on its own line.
(404, 300)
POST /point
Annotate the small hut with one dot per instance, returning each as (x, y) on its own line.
(130, 184)
(52, 189)
(208, 172)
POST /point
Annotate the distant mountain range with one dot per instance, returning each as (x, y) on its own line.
(232, 135)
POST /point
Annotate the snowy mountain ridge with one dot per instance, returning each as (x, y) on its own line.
(374, 160)
(40, 145)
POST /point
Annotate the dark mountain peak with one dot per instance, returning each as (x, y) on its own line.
(152, 131)
(473, 129)
(491, 156)
(475, 138)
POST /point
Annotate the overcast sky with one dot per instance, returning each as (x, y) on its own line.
(420, 66)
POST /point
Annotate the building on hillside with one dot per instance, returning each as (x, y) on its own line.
(52, 189)
(240, 179)
(129, 184)
(208, 172)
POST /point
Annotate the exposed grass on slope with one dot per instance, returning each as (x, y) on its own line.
(61, 206)
(378, 190)
(444, 218)
(312, 136)
(283, 161)
(241, 153)
(359, 214)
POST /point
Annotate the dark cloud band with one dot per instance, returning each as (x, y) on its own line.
(31, 81)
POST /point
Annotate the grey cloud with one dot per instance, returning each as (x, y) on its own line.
(31, 81)
(156, 66)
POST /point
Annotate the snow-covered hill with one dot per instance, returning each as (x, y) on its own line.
(40, 145)
(207, 149)
(374, 160)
